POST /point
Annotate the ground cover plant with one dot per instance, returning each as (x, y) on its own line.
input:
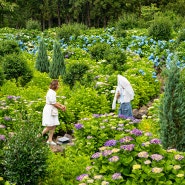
(107, 149)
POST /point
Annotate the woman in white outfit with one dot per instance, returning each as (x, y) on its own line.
(50, 112)
(124, 94)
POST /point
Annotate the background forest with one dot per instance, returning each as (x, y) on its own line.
(85, 45)
(92, 13)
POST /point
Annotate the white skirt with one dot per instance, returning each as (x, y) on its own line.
(47, 118)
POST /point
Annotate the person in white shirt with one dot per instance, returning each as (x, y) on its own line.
(124, 94)
(50, 112)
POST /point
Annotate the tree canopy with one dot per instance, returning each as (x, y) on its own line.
(94, 13)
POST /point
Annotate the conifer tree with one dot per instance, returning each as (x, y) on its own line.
(172, 111)
(57, 66)
(42, 62)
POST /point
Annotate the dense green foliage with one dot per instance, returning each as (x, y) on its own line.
(64, 170)
(116, 57)
(8, 47)
(1, 76)
(25, 156)
(97, 51)
(69, 31)
(181, 36)
(75, 72)
(134, 55)
(33, 25)
(161, 28)
(172, 111)
(120, 153)
(16, 67)
(91, 13)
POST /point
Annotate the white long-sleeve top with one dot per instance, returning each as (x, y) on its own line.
(125, 90)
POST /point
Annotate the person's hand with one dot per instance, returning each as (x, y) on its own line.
(117, 95)
(63, 107)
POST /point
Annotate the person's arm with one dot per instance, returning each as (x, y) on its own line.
(117, 95)
(59, 106)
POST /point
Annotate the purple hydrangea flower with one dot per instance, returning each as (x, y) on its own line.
(114, 159)
(136, 120)
(136, 132)
(116, 176)
(2, 126)
(96, 155)
(81, 177)
(179, 157)
(10, 97)
(2, 137)
(148, 134)
(96, 115)
(127, 147)
(155, 141)
(156, 157)
(121, 116)
(79, 126)
(6, 118)
(110, 143)
(143, 154)
(126, 139)
(106, 152)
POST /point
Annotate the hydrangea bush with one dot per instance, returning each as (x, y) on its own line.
(123, 154)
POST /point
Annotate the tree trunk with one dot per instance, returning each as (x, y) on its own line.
(43, 25)
(104, 22)
(88, 14)
(58, 13)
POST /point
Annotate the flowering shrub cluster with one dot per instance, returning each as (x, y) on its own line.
(125, 156)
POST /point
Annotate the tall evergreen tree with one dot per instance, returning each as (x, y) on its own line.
(172, 111)
(57, 67)
(42, 62)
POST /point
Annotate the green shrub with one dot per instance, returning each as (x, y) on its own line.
(75, 72)
(8, 47)
(57, 66)
(180, 49)
(1, 76)
(42, 62)
(41, 80)
(116, 57)
(160, 28)
(172, 110)
(33, 25)
(76, 53)
(10, 88)
(15, 67)
(70, 30)
(65, 169)
(123, 154)
(25, 156)
(126, 21)
(97, 51)
(181, 36)
(85, 101)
